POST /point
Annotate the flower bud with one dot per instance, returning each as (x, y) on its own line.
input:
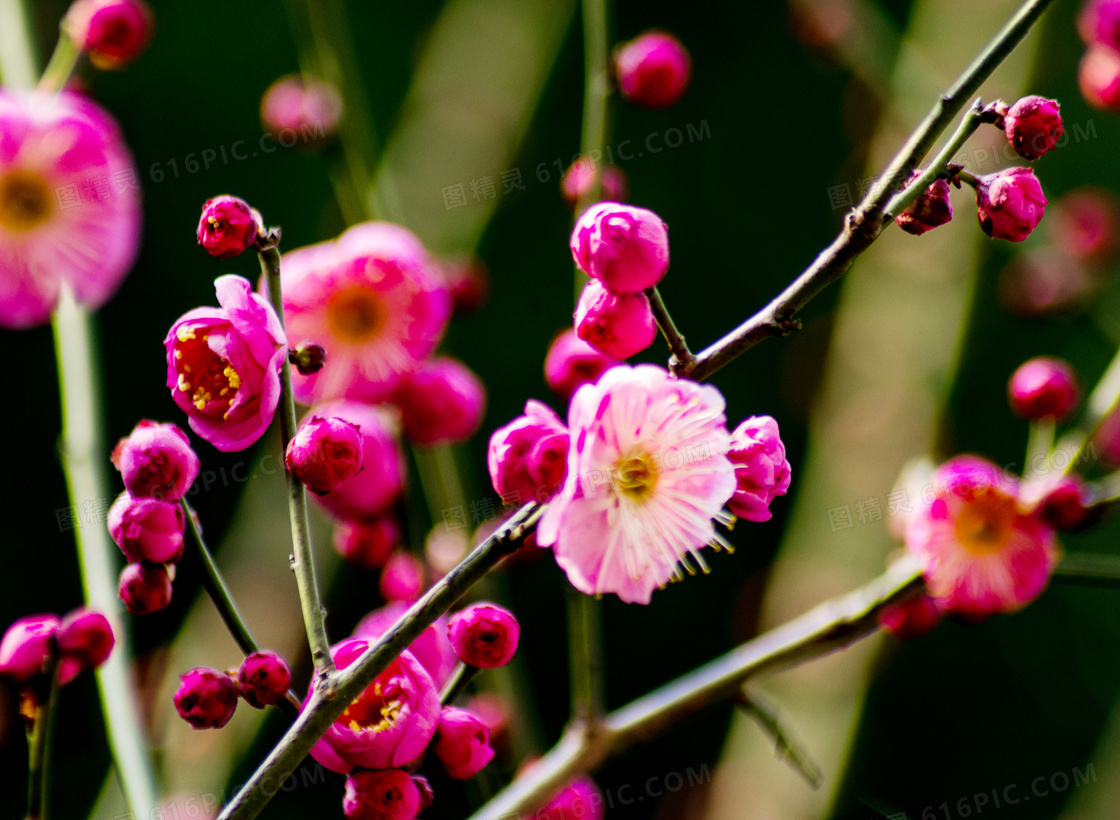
(146, 529)
(1099, 78)
(308, 358)
(619, 326)
(1085, 225)
(367, 544)
(263, 679)
(930, 210)
(572, 362)
(1033, 126)
(441, 402)
(625, 248)
(653, 69)
(86, 637)
(228, 226)
(913, 618)
(206, 698)
(580, 798)
(304, 105)
(527, 458)
(1099, 22)
(1043, 387)
(112, 32)
(761, 469)
(324, 452)
(402, 579)
(1010, 203)
(1065, 505)
(381, 794)
(156, 460)
(578, 180)
(462, 743)
(484, 635)
(26, 647)
(145, 588)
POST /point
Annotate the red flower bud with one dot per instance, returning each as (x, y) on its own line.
(484, 635)
(930, 210)
(325, 452)
(462, 743)
(85, 637)
(263, 679)
(1010, 203)
(1033, 126)
(112, 32)
(206, 698)
(228, 226)
(367, 544)
(156, 460)
(618, 325)
(1043, 387)
(653, 69)
(381, 794)
(145, 588)
(572, 362)
(146, 529)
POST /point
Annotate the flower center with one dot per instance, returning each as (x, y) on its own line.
(985, 524)
(25, 200)
(210, 380)
(636, 476)
(371, 711)
(355, 315)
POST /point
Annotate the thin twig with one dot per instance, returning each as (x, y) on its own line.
(680, 357)
(303, 563)
(460, 679)
(864, 224)
(585, 656)
(766, 715)
(39, 742)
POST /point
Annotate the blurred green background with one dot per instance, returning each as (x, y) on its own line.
(779, 122)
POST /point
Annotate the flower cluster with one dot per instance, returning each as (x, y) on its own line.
(147, 521)
(82, 640)
(207, 698)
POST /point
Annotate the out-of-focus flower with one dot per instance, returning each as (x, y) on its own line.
(1010, 203)
(761, 470)
(389, 724)
(468, 282)
(1085, 224)
(85, 637)
(572, 362)
(263, 679)
(653, 69)
(1043, 387)
(402, 577)
(156, 460)
(308, 106)
(147, 529)
(462, 743)
(1099, 22)
(580, 798)
(580, 177)
(647, 472)
(325, 452)
(228, 226)
(374, 300)
(145, 588)
(913, 618)
(1099, 78)
(1044, 282)
(112, 32)
(206, 698)
(367, 544)
(381, 794)
(528, 458)
(981, 553)
(1033, 126)
(484, 635)
(625, 248)
(55, 228)
(223, 365)
(1065, 504)
(441, 402)
(619, 326)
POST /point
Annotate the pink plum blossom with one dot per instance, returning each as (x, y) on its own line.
(462, 743)
(528, 458)
(618, 325)
(761, 470)
(303, 104)
(647, 472)
(325, 452)
(572, 362)
(484, 635)
(147, 529)
(382, 794)
(112, 32)
(653, 69)
(432, 649)
(156, 460)
(441, 402)
(624, 247)
(1010, 203)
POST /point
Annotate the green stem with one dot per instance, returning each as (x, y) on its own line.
(19, 64)
(866, 222)
(679, 354)
(971, 121)
(1088, 570)
(1101, 402)
(463, 675)
(327, 702)
(585, 656)
(64, 59)
(766, 715)
(200, 558)
(40, 741)
(84, 458)
(1040, 443)
(303, 564)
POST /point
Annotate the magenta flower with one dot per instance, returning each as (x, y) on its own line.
(228, 226)
(1010, 203)
(1099, 77)
(303, 105)
(85, 637)
(911, 619)
(263, 679)
(761, 470)
(156, 460)
(112, 32)
(930, 210)
(580, 798)
(382, 794)
(1085, 225)
(373, 299)
(147, 529)
(625, 248)
(325, 452)
(647, 472)
(1065, 504)
(432, 649)
(223, 365)
(441, 402)
(653, 69)
(69, 205)
(145, 588)
(619, 326)
(571, 362)
(484, 635)
(1043, 387)
(981, 553)
(528, 458)
(26, 646)
(1099, 22)
(389, 724)
(1033, 126)
(578, 179)
(402, 577)
(366, 496)
(367, 544)
(462, 743)
(206, 698)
